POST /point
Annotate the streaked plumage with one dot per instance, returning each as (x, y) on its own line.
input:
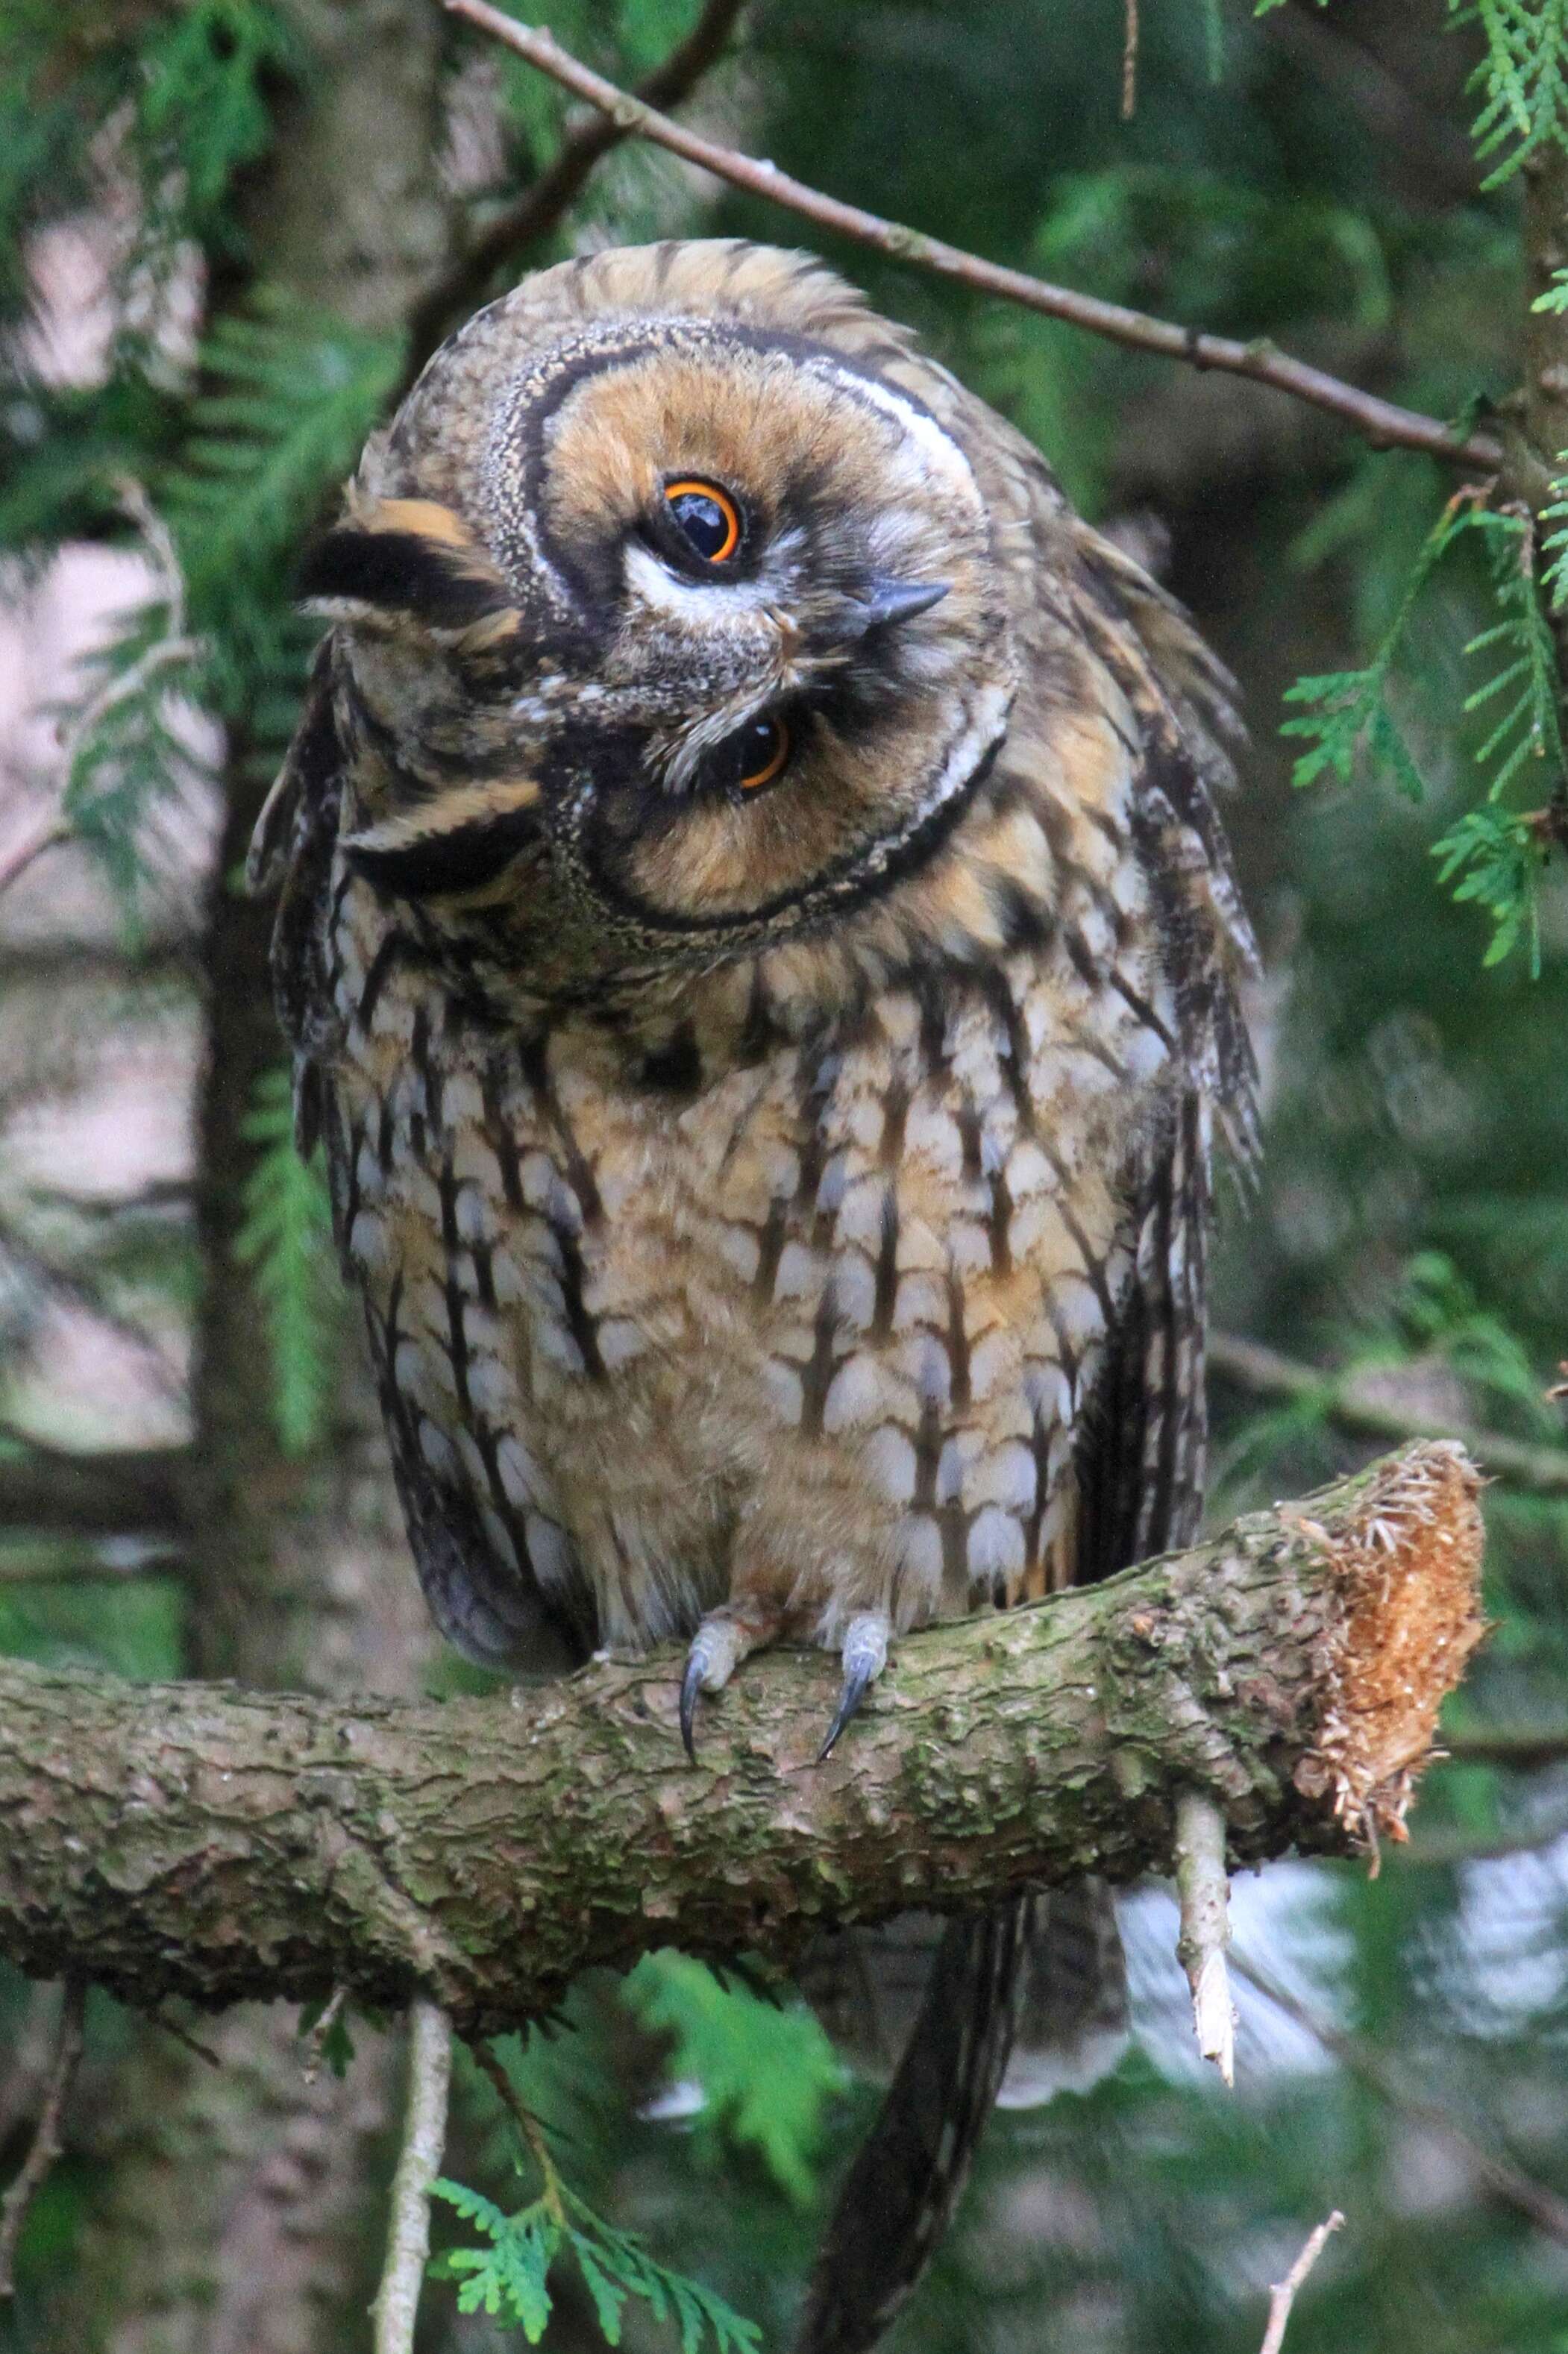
(780, 1202)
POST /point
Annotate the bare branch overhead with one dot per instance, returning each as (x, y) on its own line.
(1383, 423)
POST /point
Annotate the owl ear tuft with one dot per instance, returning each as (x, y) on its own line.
(460, 841)
(410, 558)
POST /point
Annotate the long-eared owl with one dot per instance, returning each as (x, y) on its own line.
(761, 953)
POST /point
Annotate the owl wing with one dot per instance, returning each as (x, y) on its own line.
(490, 1612)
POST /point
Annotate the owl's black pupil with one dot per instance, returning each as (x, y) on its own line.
(703, 520)
(746, 754)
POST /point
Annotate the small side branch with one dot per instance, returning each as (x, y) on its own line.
(540, 207)
(1533, 2200)
(1283, 2295)
(1267, 1373)
(1382, 422)
(396, 2304)
(141, 1491)
(1206, 1897)
(47, 2140)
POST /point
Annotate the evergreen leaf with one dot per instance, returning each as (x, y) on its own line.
(286, 1241)
(767, 2072)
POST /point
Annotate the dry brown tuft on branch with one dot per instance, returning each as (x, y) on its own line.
(201, 1841)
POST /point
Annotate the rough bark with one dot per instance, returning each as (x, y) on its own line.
(217, 1844)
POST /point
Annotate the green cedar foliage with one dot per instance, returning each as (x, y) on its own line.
(1493, 855)
(766, 2068)
(286, 1241)
(508, 2276)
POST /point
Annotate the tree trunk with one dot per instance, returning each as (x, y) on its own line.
(241, 2209)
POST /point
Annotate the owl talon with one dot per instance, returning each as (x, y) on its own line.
(865, 1657)
(691, 1684)
(725, 1638)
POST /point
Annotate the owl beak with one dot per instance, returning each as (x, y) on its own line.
(880, 602)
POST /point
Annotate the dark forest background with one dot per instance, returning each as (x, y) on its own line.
(223, 222)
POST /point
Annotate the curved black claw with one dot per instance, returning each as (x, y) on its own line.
(691, 1685)
(856, 1686)
(865, 1657)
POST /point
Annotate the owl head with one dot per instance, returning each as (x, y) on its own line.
(668, 614)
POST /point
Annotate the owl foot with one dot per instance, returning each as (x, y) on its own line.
(725, 1638)
(865, 1657)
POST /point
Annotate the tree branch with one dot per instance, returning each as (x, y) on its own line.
(397, 2304)
(46, 2141)
(117, 1492)
(538, 209)
(1504, 2180)
(1382, 422)
(205, 1841)
(1268, 1375)
(1282, 2296)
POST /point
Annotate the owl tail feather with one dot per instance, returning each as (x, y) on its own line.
(907, 2180)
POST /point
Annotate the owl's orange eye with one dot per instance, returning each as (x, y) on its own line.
(761, 754)
(707, 517)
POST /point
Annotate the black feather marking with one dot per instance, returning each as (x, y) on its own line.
(676, 1066)
(886, 1294)
(579, 1323)
(534, 1060)
(894, 1113)
(930, 994)
(999, 1225)
(759, 1033)
(457, 1331)
(444, 858)
(957, 1343)
(819, 1371)
(499, 1137)
(402, 572)
(1015, 1059)
(1024, 922)
(381, 963)
(927, 1454)
(968, 1125)
(770, 1250)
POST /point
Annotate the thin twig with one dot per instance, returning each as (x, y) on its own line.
(1283, 2295)
(538, 209)
(315, 2047)
(1129, 64)
(1382, 422)
(397, 2302)
(1519, 1745)
(1206, 1892)
(48, 835)
(1447, 1851)
(527, 2123)
(186, 2041)
(109, 1560)
(1529, 2197)
(46, 2141)
(1268, 1375)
